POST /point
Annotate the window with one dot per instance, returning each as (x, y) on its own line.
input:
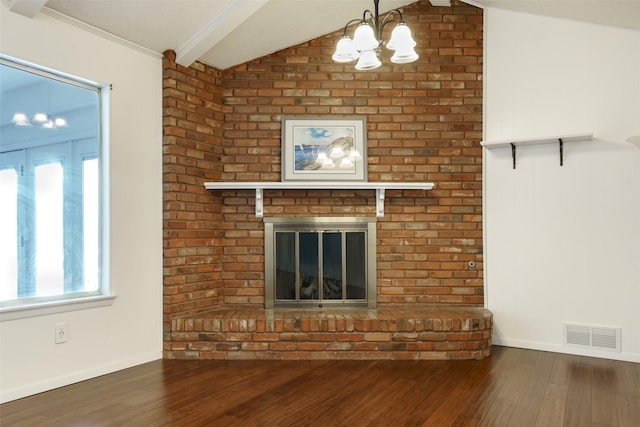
(50, 186)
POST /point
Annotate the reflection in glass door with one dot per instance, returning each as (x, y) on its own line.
(49, 229)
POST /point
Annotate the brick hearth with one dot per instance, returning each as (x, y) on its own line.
(388, 333)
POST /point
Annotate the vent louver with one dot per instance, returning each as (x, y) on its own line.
(592, 337)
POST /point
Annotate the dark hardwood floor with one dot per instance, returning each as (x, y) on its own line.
(513, 387)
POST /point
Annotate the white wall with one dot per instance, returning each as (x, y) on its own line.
(562, 243)
(129, 332)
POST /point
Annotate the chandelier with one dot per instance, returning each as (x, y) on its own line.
(44, 120)
(367, 41)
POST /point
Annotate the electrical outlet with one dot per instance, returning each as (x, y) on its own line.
(62, 333)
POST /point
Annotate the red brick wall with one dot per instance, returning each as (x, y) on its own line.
(192, 146)
(424, 124)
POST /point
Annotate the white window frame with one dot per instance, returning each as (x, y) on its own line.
(39, 306)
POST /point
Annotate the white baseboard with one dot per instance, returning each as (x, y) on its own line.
(590, 352)
(31, 389)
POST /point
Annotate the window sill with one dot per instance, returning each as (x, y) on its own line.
(53, 307)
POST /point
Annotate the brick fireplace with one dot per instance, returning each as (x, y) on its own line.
(423, 124)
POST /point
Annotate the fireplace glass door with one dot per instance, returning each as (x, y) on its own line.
(319, 266)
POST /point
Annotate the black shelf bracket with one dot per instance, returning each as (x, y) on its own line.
(513, 154)
(561, 144)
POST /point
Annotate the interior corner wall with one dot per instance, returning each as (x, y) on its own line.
(129, 332)
(562, 241)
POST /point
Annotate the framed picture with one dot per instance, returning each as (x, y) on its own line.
(324, 149)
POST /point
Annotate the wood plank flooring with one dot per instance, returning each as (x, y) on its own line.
(513, 387)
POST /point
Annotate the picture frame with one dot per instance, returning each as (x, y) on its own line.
(324, 149)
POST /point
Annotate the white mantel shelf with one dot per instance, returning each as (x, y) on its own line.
(560, 140)
(380, 188)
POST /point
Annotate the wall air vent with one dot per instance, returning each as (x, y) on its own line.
(595, 337)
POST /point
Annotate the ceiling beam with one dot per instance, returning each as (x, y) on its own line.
(28, 8)
(216, 29)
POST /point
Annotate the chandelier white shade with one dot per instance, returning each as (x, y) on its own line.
(367, 40)
(364, 38)
(401, 38)
(40, 117)
(20, 119)
(345, 50)
(368, 61)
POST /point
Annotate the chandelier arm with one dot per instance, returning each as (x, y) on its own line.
(371, 15)
(389, 15)
(344, 32)
(386, 21)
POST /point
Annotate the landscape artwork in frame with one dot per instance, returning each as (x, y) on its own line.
(324, 149)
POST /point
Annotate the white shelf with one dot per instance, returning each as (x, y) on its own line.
(560, 140)
(380, 188)
(540, 140)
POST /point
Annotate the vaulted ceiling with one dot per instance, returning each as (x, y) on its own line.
(224, 33)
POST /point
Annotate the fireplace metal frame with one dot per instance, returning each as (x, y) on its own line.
(320, 224)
